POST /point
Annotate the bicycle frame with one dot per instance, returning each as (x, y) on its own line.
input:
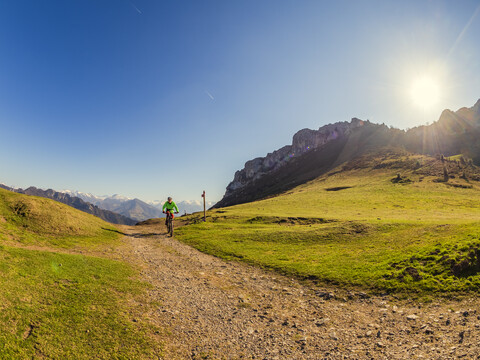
(169, 222)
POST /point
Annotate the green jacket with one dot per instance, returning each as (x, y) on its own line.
(170, 206)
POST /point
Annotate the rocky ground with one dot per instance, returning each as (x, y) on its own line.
(213, 309)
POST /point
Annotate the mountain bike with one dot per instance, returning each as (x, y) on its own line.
(169, 222)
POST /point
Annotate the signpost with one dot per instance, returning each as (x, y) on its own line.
(204, 207)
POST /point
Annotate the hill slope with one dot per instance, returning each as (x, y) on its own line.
(34, 219)
(362, 224)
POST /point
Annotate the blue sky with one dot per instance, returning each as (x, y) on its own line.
(150, 98)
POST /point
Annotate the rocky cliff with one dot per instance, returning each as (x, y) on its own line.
(303, 141)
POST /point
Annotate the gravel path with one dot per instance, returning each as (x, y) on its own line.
(215, 309)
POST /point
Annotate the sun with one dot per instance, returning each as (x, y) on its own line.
(425, 92)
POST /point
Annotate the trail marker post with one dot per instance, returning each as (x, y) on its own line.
(204, 207)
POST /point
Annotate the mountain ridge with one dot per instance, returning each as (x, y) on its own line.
(135, 208)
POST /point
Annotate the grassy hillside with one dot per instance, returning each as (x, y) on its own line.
(58, 304)
(39, 221)
(387, 222)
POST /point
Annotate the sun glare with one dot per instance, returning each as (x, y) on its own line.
(425, 92)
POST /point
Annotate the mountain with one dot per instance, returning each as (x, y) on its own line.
(135, 208)
(132, 208)
(76, 203)
(5, 187)
(454, 133)
(311, 154)
(92, 199)
(315, 152)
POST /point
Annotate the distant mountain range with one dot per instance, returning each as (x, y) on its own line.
(76, 203)
(116, 209)
(135, 208)
(315, 152)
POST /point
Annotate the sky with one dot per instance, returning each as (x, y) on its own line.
(150, 98)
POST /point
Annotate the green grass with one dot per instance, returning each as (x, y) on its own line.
(31, 220)
(357, 228)
(61, 305)
(68, 307)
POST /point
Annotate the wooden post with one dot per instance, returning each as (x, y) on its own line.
(204, 207)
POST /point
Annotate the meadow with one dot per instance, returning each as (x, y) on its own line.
(384, 224)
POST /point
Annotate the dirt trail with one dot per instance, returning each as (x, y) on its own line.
(227, 310)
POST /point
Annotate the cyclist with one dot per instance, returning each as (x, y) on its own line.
(169, 206)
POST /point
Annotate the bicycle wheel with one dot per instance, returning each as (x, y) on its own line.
(171, 227)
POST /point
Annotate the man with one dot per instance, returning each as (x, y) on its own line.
(169, 206)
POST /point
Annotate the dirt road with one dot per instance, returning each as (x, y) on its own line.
(215, 309)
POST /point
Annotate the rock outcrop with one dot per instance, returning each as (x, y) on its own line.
(303, 141)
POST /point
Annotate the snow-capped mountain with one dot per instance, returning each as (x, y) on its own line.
(135, 208)
(93, 199)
